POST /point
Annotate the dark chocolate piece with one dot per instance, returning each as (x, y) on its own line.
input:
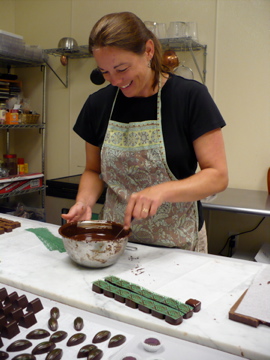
(116, 340)
(19, 345)
(15, 314)
(11, 298)
(119, 298)
(35, 306)
(55, 313)
(1, 342)
(3, 355)
(24, 357)
(130, 303)
(27, 320)
(76, 339)
(95, 354)
(43, 348)
(85, 350)
(144, 309)
(38, 334)
(97, 289)
(78, 323)
(101, 336)
(20, 302)
(58, 336)
(129, 358)
(10, 330)
(5, 309)
(53, 324)
(173, 321)
(3, 294)
(108, 293)
(196, 304)
(55, 354)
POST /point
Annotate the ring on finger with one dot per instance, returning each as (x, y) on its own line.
(145, 210)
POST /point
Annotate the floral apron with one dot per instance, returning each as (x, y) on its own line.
(133, 158)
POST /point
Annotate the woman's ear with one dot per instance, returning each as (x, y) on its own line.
(149, 49)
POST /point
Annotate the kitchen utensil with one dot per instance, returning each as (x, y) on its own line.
(93, 243)
(185, 72)
(68, 44)
(170, 59)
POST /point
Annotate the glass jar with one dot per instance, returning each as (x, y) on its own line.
(10, 163)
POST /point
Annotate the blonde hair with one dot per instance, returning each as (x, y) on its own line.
(126, 31)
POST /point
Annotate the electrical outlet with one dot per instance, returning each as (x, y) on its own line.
(233, 243)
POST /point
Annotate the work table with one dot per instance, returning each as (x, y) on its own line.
(218, 282)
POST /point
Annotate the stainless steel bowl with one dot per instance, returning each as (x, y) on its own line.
(68, 44)
(92, 243)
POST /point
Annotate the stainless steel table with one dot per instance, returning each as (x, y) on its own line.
(240, 201)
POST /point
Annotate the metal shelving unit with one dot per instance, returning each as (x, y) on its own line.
(176, 44)
(9, 62)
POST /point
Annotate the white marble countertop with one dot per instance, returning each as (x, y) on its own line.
(216, 281)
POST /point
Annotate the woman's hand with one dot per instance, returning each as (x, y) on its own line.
(143, 204)
(78, 212)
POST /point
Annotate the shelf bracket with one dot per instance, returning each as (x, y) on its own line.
(58, 77)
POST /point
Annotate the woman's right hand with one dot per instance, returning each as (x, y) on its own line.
(78, 212)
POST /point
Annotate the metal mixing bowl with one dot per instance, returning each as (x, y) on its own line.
(93, 243)
(68, 44)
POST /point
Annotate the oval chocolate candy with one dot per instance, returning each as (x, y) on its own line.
(24, 357)
(85, 350)
(76, 339)
(101, 336)
(3, 355)
(53, 324)
(116, 340)
(55, 312)
(37, 334)
(95, 354)
(78, 323)
(55, 354)
(43, 348)
(58, 336)
(19, 345)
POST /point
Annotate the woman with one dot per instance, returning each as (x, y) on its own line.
(145, 134)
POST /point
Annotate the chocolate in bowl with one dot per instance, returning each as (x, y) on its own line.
(93, 243)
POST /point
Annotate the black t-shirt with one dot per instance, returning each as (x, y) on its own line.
(187, 112)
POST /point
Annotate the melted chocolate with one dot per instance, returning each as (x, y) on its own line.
(107, 231)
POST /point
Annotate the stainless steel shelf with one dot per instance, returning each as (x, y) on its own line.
(22, 126)
(22, 192)
(14, 61)
(82, 52)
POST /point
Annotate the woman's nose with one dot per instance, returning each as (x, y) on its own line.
(115, 80)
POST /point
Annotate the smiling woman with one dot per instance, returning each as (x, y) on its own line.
(145, 134)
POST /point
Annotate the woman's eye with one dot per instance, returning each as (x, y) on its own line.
(122, 70)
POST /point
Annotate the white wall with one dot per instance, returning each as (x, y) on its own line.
(237, 34)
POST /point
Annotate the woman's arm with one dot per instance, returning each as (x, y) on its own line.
(212, 178)
(90, 187)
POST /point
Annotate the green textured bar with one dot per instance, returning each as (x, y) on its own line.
(175, 304)
(140, 300)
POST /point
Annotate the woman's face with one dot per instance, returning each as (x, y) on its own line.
(126, 70)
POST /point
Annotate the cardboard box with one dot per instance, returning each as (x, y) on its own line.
(12, 118)
(19, 183)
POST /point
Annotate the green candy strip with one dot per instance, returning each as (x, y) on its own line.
(175, 304)
(140, 300)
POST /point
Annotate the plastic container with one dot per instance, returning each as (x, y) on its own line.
(10, 163)
(20, 166)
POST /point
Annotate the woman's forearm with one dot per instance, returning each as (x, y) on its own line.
(90, 188)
